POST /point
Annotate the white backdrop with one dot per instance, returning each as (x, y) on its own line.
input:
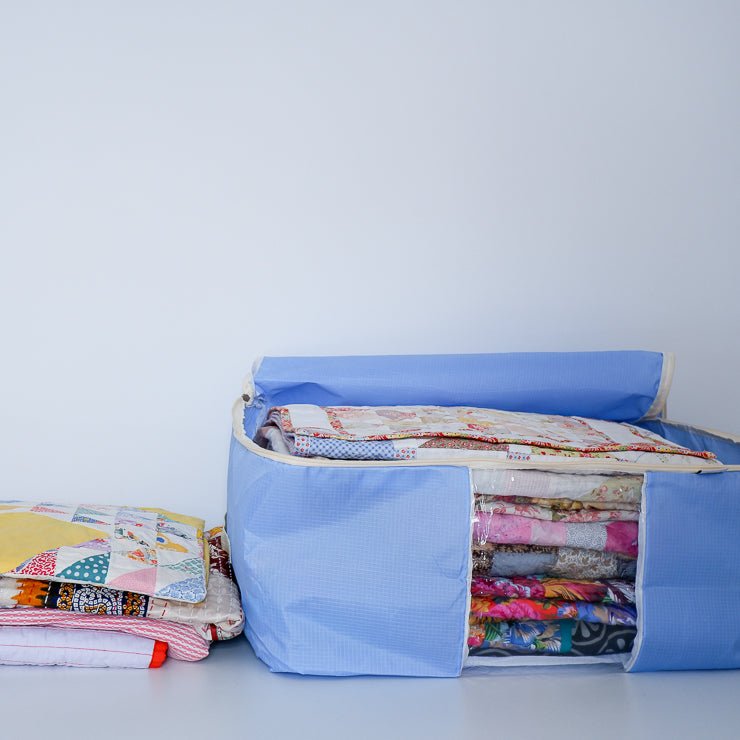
(188, 185)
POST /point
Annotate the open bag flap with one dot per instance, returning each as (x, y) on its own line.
(616, 386)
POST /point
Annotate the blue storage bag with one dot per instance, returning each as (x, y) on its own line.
(364, 567)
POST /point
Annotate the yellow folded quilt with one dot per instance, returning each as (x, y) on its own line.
(148, 551)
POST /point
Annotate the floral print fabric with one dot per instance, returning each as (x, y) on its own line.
(501, 639)
(539, 587)
(527, 609)
(569, 505)
(535, 636)
(520, 506)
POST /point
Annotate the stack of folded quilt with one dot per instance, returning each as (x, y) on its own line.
(554, 573)
(554, 554)
(100, 585)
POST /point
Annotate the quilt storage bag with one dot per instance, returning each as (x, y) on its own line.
(417, 515)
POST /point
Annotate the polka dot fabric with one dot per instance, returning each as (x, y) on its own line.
(90, 570)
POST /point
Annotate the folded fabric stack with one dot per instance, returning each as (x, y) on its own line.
(554, 554)
(553, 574)
(99, 585)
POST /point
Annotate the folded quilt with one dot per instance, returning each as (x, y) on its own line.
(79, 648)
(539, 484)
(560, 562)
(563, 505)
(184, 643)
(218, 617)
(617, 537)
(146, 551)
(614, 591)
(531, 636)
(418, 432)
(520, 506)
(490, 638)
(504, 609)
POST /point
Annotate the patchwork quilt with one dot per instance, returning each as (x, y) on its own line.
(218, 617)
(146, 551)
(423, 432)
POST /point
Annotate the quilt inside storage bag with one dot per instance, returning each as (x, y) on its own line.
(436, 432)
(554, 565)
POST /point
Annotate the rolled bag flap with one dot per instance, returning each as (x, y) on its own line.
(617, 386)
(689, 581)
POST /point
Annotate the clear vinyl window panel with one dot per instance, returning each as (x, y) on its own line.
(554, 560)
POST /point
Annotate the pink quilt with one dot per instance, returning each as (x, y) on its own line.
(183, 640)
(616, 537)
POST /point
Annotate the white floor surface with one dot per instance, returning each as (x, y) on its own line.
(233, 695)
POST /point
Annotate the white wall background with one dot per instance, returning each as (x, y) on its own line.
(187, 185)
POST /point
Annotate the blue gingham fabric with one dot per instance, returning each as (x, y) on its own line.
(351, 571)
(689, 612)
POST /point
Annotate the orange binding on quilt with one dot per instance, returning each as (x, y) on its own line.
(159, 654)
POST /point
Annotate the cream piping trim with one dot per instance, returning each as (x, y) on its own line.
(585, 464)
(658, 406)
(639, 577)
(469, 595)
